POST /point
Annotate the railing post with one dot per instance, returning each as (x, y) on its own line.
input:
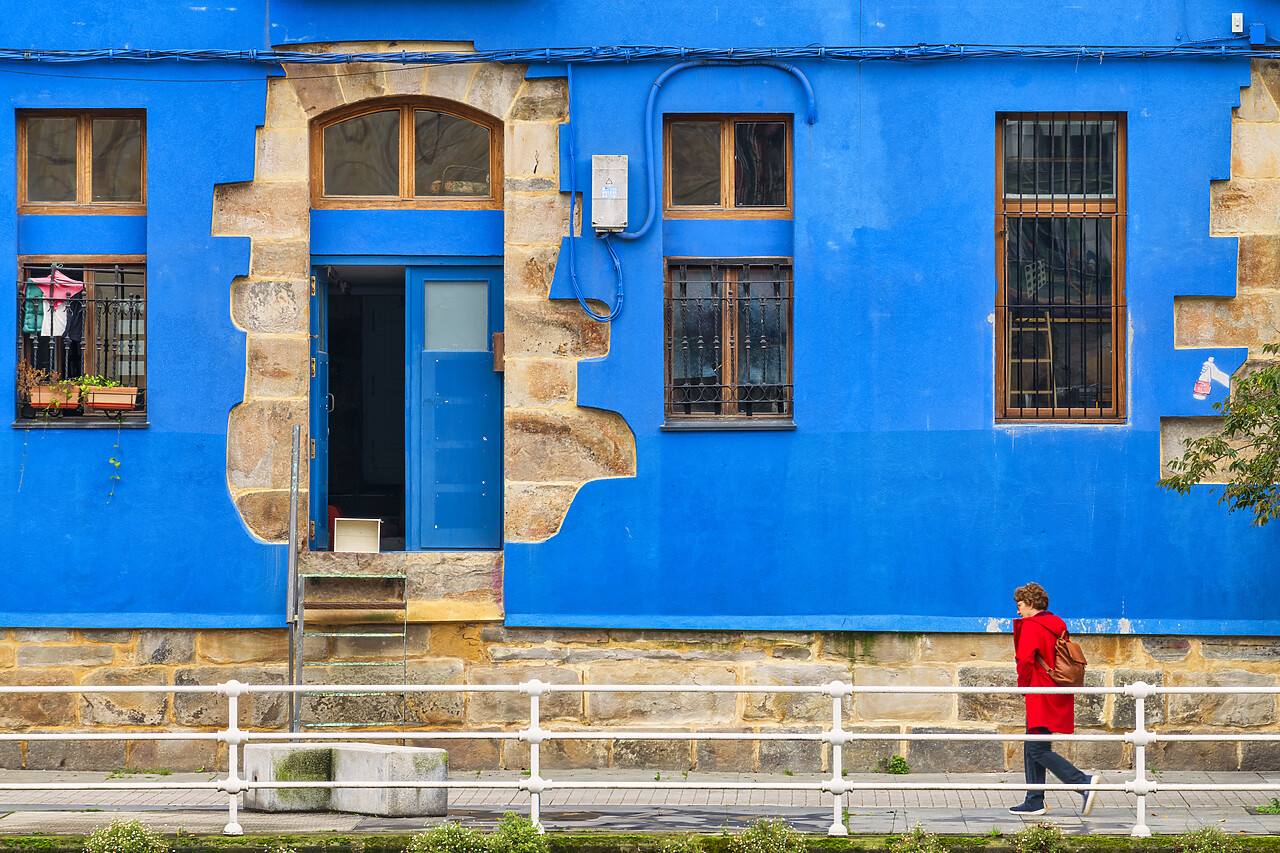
(1140, 786)
(232, 736)
(533, 736)
(292, 597)
(837, 740)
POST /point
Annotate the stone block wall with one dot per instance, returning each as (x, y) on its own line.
(1246, 207)
(483, 654)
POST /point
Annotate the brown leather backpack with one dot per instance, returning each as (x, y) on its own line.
(1068, 662)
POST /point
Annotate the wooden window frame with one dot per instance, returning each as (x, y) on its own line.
(406, 199)
(726, 209)
(728, 369)
(1115, 208)
(84, 203)
(137, 416)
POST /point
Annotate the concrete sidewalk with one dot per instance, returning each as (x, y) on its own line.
(951, 812)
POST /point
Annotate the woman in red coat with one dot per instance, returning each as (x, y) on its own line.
(1037, 630)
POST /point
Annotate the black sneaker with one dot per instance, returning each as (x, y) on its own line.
(1090, 795)
(1027, 809)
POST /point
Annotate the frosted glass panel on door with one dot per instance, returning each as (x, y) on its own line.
(457, 315)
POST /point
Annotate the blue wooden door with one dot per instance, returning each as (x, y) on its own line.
(454, 400)
(318, 493)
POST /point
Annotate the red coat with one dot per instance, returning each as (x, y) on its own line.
(1057, 713)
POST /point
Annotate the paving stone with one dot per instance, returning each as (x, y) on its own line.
(796, 756)
(724, 755)
(872, 648)
(791, 707)
(1122, 706)
(85, 755)
(656, 755)
(435, 708)
(124, 709)
(1260, 756)
(1218, 710)
(22, 711)
(955, 756)
(863, 756)
(176, 755)
(967, 648)
(907, 707)
(514, 707)
(1167, 649)
(106, 635)
(68, 656)
(165, 647)
(1005, 708)
(657, 708)
(1253, 649)
(1192, 755)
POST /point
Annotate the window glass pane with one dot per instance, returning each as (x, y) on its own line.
(760, 164)
(696, 322)
(362, 155)
(1060, 156)
(695, 163)
(118, 325)
(457, 315)
(117, 159)
(451, 155)
(51, 159)
(763, 308)
(1058, 260)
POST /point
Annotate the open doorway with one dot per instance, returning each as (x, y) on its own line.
(366, 333)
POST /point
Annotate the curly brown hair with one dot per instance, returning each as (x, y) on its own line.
(1032, 594)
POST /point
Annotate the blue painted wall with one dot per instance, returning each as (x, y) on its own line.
(168, 548)
(897, 503)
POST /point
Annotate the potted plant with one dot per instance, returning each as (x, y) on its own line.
(39, 388)
(102, 394)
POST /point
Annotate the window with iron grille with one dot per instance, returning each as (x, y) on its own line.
(82, 325)
(1060, 305)
(728, 335)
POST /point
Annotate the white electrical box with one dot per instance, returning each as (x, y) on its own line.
(609, 192)
(1237, 22)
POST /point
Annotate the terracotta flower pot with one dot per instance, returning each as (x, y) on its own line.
(55, 397)
(110, 399)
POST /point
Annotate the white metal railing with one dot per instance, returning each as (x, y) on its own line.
(1140, 786)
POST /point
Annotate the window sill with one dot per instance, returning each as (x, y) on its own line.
(1062, 421)
(81, 423)
(728, 425)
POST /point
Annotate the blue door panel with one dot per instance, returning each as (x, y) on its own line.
(318, 492)
(455, 425)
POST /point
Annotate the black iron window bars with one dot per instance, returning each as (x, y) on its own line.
(1060, 304)
(728, 332)
(81, 320)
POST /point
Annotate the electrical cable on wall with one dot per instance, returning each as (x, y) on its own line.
(1236, 48)
(573, 255)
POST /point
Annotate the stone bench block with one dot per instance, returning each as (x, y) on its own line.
(347, 762)
(287, 762)
(378, 763)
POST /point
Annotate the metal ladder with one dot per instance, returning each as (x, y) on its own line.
(328, 615)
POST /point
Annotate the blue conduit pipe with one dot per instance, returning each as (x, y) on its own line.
(651, 160)
(573, 255)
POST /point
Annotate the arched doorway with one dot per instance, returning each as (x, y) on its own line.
(406, 289)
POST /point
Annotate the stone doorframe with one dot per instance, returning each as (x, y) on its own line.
(552, 447)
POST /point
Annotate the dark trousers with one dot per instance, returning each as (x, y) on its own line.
(1037, 757)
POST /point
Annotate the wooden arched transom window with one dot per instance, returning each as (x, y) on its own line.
(418, 153)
